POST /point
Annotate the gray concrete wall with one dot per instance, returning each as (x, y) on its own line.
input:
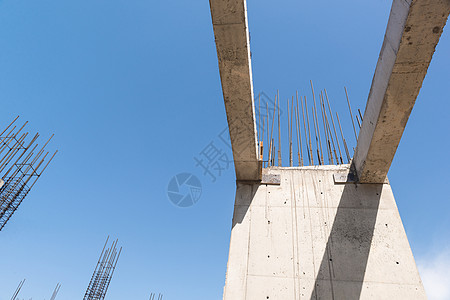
(310, 238)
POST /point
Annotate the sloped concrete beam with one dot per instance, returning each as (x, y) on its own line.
(230, 25)
(413, 31)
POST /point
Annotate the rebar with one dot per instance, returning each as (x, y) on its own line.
(327, 134)
(279, 133)
(299, 135)
(23, 168)
(309, 135)
(271, 134)
(306, 136)
(103, 272)
(334, 127)
(359, 123)
(19, 287)
(351, 114)
(319, 147)
(342, 135)
(55, 292)
(324, 131)
(152, 296)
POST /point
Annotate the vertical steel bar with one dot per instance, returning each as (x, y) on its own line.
(299, 134)
(259, 117)
(291, 159)
(309, 135)
(342, 134)
(306, 136)
(317, 124)
(334, 127)
(315, 133)
(351, 114)
(271, 130)
(279, 133)
(322, 106)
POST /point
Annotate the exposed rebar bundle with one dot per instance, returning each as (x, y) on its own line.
(153, 295)
(314, 120)
(16, 292)
(104, 270)
(55, 292)
(21, 165)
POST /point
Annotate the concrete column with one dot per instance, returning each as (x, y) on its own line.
(313, 238)
(413, 31)
(233, 51)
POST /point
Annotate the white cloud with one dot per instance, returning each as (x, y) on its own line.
(435, 273)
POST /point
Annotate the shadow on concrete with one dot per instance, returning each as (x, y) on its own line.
(341, 272)
(244, 197)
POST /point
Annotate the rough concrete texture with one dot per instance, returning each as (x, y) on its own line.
(310, 238)
(413, 31)
(229, 19)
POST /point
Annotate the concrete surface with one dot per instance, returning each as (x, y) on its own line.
(412, 33)
(229, 19)
(310, 238)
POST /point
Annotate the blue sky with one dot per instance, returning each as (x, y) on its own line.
(132, 91)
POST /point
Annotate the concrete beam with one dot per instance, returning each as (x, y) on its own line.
(413, 31)
(229, 20)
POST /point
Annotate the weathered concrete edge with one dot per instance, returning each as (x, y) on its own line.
(230, 25)
(402, 65)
